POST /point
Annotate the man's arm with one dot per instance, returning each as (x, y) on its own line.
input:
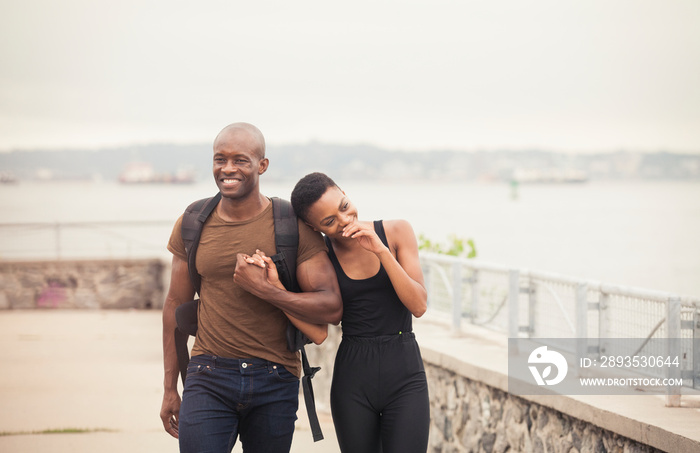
(314, 332)
(320, 301)
(180, 291)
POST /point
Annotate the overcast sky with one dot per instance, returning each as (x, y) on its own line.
(584, 75)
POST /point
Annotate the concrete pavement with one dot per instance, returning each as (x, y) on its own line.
(99, 371)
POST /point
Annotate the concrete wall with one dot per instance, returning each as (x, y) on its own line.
(471, 410)
(82, 284)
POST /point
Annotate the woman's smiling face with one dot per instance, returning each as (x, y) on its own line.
(332, 212)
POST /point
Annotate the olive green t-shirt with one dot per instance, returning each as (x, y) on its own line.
(232, 322)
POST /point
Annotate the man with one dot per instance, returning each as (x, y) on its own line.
(242, 379)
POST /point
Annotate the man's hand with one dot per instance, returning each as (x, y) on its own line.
(250, 276)
(170, 413)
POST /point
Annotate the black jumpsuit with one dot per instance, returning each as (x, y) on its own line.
(379, 394)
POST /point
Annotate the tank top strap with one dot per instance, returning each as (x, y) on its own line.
(379, 229)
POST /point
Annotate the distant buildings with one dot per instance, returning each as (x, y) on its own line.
(164, 163)
(143, 173)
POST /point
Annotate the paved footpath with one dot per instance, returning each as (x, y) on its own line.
(94, 370)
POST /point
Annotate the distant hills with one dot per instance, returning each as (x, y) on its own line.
(290, 162)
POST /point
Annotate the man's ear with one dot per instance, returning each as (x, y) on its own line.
(262, 166)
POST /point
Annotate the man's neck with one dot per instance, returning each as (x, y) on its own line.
(241, 209)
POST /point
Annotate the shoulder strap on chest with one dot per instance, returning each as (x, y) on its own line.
(192, 223)
(286, 242)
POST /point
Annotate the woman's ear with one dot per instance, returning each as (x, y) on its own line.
(311, 226)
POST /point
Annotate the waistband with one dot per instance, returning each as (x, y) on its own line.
(224, 362)
(401, 337)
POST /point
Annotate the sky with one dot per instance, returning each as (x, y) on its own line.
(572, 76)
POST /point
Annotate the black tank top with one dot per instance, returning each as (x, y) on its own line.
(370, 306)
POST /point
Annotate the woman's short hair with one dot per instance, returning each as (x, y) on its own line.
(308, 191)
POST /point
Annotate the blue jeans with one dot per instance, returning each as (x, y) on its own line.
(227, 397)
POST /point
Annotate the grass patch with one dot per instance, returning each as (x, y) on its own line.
(58, 431)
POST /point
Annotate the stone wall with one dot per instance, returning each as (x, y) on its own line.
(82, 284)
(468, 416)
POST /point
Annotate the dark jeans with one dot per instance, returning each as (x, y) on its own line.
(227, 397)
(379, 395)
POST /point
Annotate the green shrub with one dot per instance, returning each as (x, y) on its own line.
(455, 246)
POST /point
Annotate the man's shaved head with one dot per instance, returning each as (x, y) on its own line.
(242, 128)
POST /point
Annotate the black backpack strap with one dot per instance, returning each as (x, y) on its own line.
(186, 314)
(192, 223)
(309, 398)
(287, 244)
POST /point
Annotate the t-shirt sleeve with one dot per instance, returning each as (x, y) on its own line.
(176, 245)
(310, 242)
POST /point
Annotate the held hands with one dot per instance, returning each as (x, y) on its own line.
(261, 265)
(365, 235)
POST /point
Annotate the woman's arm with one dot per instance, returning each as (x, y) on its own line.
(314, 332)
(404, 269)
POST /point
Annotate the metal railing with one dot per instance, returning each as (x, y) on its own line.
(534, 304)
(67, 240)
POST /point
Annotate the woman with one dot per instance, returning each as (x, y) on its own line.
(379, 394)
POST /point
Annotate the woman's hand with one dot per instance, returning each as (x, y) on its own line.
(315, 332)
(265, 262)
(365, 235)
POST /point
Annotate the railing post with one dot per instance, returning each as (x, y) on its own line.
(456, 296)
(673, 336)
(513, 311)
(531, 308)
(427, 277)
(603, 323)
(474, 309)
(582, 310)
(604, 316)
(582, 319)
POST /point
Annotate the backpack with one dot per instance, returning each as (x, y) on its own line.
(286, 242)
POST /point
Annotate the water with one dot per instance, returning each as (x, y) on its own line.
(641, 234)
